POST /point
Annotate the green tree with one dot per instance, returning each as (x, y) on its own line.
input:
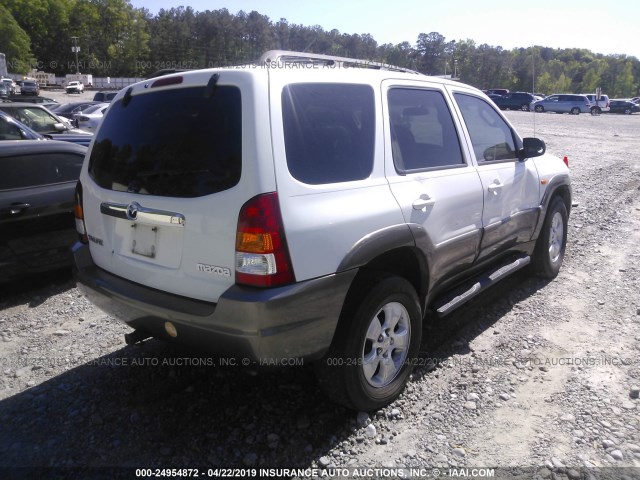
(624, 86)
(14, 43)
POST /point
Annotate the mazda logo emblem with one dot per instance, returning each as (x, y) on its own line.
(132, 210)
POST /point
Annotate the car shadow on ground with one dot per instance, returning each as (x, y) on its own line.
(35, 289)
(151, 406)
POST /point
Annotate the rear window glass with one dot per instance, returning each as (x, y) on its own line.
(173, 143)
(328, 132)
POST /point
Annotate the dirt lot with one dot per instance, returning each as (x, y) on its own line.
(537, 378)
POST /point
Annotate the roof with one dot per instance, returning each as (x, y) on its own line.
(23, 147)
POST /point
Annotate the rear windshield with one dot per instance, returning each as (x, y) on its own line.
(328, 132)
(173, 143)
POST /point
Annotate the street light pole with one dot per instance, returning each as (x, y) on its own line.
(76, 49)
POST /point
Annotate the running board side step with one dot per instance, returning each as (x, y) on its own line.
(467, 291)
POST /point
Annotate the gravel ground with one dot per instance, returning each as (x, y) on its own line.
(537, 378)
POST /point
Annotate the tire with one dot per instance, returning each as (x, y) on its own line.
(550, 247)
(596, 111)
(627, 111)
(575, 111)
(524, 107)
(377, 339)
(539, 108)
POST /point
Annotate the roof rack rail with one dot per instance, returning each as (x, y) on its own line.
(283, 57)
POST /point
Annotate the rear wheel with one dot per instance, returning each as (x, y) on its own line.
(575, 111)
(539, 108)
(371, 358)
(595, 111)
(524, 107)
(550, 247)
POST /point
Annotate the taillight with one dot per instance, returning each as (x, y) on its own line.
(79, 214)
(262, 255)
(566, 160)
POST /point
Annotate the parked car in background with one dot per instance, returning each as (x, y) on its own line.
(12, 129)
(37, 225)
(623, 106)
(38, 118)
(74, 87)
(89, 119)
(104, 96)
(563, 103)
(635, 99)
(68, 110)
(514, 101)
(600, 105)
(11, 84)
(4, 90)
(29, 87)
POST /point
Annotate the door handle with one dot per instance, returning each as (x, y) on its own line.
(423, 202)
(16, 208)
(495, 186)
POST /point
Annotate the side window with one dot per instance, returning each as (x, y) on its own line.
(329, 131)
(491, 137)
(39, 120)
(39, 169)
(423, 134)
(9, 131)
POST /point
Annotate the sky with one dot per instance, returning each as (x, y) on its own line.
(602, 27)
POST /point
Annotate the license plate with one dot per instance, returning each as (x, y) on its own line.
(144, 240)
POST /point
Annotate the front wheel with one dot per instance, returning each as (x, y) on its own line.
(550, 247)
(595, 111)
(539, 108)
(374, 348)
(627, 111)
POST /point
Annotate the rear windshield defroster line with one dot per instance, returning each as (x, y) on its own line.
(172, 143)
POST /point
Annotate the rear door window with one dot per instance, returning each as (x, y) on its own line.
(328, 132)
(172, 143)
(423, 134)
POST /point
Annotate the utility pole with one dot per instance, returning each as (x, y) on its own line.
(76, 49)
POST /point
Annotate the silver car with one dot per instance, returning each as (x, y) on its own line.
(563, 103)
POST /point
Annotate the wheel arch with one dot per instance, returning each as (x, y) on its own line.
(391, 251)
(559, 187)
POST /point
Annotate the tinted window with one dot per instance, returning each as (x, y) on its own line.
(174, 143)
(422, 130)
(328, 132)
(39, 169)
(9, 131)
(491, 136)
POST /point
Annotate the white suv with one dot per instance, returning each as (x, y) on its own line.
(303, 208)
(74, 87)
(599, 105)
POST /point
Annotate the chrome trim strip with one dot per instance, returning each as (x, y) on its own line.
(137, 213)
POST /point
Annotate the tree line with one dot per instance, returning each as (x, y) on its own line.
(116, 39)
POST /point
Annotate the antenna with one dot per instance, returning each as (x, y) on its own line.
(533, 84)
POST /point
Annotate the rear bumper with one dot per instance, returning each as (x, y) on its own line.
(265, 325)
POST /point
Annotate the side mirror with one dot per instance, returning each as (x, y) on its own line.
(532, 147)
(60, 127)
